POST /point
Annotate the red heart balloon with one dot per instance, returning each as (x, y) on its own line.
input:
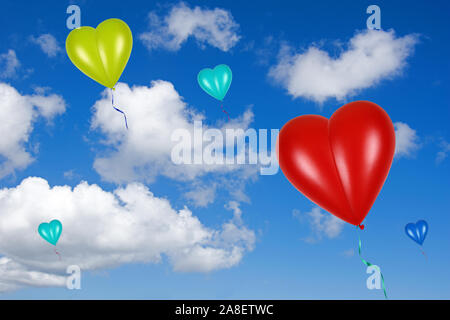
(342, 163)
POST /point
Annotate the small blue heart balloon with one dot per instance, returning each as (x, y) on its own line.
(417, 231)
(50, 231)
(215, 82)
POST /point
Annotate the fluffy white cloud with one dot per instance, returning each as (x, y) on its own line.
(144, 151)
(370, 57)
(20, 112)
(105, 229)
(14, 276)
(9, 64)
(215, 27)
(406, 140)
(48, 44)
(321, 224)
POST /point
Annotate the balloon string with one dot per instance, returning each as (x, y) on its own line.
(423, 252)
(117, 109)
(367, 263)
(57, 253)
(224, 111)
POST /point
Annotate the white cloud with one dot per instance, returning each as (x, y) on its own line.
(14, 276)
(235, 207)
(71, 174)
(406, 140)
(19, 113)
(370, 57)
(321, 224)
(48, 44)
(215, 27)
(202, 195)
(443, 153)
(144, 151)
(106, 229)
(9, 64)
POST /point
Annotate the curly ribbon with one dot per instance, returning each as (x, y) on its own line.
(117, 109)
(224, 111)
(58, 254)
(368, 264)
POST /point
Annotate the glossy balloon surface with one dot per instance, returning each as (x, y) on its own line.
(339, 163)
(50, 231)
(215, 82)
(101, 53)
(417, 231)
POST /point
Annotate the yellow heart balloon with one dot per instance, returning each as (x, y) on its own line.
(101, 53)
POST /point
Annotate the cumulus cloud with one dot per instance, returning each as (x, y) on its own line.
(322, 224)
(406, 140)
(215, 27)
(9, 64)
(48, 44)
(371, 56)
(104, 229)
(20, 113)
(144, 151)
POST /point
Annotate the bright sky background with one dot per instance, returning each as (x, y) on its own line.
(209, 233)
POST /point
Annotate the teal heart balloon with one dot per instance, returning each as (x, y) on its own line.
(215, 82)
(50, 231)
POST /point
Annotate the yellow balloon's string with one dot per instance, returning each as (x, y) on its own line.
(117, 109)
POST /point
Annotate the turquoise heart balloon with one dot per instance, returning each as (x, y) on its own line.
(50, 231)
(215, 82)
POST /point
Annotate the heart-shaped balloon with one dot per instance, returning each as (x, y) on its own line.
(215, 82)
(342, 163)
(50, 231)
(417, 231)
(101, 53)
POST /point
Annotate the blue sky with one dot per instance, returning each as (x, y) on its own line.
(282, 253)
